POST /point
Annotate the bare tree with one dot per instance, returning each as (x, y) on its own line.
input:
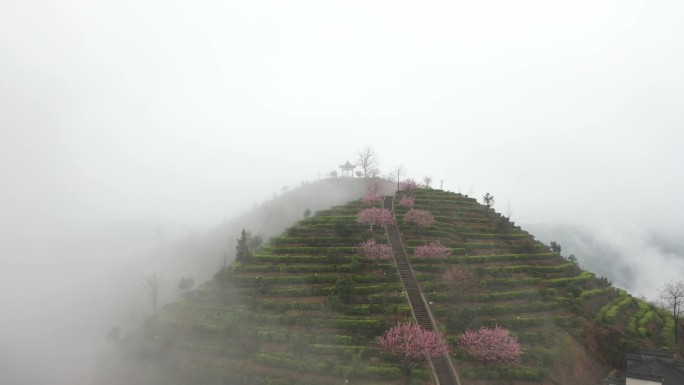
(367, 159)
(672, 295)
(375, 185)
(152, 283)
(427, 181)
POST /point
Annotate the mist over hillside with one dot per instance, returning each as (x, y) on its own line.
(634, 258)
(139, 138)
(61, 298)
(201, 254)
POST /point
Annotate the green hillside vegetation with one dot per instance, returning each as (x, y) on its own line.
(305, 308)
(499, 275)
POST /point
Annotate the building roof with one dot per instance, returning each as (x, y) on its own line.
(655, 365)
(347, 166)
(644, 376)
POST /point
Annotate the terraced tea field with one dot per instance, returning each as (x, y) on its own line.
(307, 308)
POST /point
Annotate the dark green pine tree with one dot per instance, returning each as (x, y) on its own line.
(242, 253)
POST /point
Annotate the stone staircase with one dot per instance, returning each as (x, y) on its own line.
(443, 369)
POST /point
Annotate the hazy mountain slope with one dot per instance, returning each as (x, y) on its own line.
(61, 296)
(201, 254)
(306, 308)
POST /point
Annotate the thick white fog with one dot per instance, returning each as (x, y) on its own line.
(130, 130)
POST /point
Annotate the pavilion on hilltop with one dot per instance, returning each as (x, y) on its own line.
(348, 169)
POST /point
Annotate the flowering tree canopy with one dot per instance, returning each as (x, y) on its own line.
(409, 345)
(492, 346)
(419, 217)
(375, 216)
(373, 250)
(408, 184)
(408, 201)
(373, 199)
(433, 250)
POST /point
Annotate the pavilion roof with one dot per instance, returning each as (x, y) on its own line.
(347, 166)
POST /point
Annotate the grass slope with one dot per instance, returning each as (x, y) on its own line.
(306, 309)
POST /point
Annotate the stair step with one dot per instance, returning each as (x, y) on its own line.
(420, 310)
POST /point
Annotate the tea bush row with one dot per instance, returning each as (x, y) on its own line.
(312, 279)
(616, 307)
(493, 236)
(634, 324)
(520, 309)
(306, 250)
(507, 270)
(584, 276)
(507, 374)
(503, 258)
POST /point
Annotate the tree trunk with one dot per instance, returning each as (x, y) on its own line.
(675, 316)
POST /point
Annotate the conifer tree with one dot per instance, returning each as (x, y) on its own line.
(488, 200)
(242, 252)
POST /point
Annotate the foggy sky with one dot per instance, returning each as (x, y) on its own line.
(192, 112)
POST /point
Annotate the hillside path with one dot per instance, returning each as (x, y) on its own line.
(442, 368)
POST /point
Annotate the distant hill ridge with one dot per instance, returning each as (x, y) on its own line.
(306, 308)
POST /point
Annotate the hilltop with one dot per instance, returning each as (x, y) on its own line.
(306, 308)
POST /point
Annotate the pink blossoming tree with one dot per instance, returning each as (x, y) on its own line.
(409, 345)
(493, 346)
(375, 216)
(373, 250)
(408, 201)
(432, 251)
(373, 199)
(419, 217)
(408, 184)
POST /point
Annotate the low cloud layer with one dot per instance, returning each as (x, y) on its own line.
(637, 259)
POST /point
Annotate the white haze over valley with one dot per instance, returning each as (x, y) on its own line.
(134, 135)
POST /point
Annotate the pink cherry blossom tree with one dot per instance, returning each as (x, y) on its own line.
(408, 201)
(375, 216)
(373, 199)
(373, 250)
(432, 251)
(419, 217)
(493, 346)
(409, 345)
(408, 184)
